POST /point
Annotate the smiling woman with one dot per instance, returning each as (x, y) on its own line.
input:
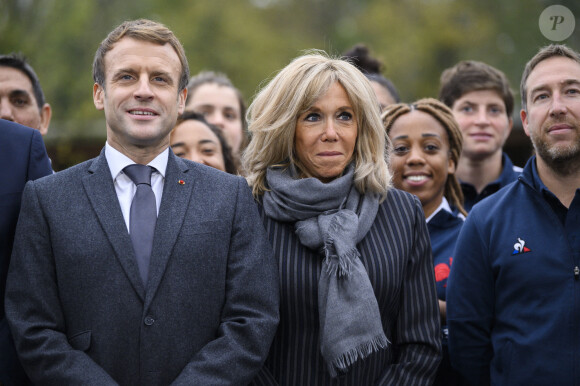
(317, 165)
(427, 145)
(197, 140)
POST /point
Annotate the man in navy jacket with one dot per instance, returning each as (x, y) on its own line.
(22, 158)
(513, 297)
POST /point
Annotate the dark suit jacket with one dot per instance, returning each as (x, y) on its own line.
(22, 158)
(80, 313)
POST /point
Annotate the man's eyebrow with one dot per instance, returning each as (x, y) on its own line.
(124, 71)
(569, 82)
(565, 82)
(19, 92)
(541, 87)
(164, 74)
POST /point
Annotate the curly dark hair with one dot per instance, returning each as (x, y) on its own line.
(359, 55)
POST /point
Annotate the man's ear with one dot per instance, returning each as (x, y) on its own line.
(45, 115)
(181, 98)
(524, 118)
(99, 96)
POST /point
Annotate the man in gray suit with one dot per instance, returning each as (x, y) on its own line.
(88, 303)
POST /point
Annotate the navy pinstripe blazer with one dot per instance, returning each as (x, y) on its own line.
(397, 255)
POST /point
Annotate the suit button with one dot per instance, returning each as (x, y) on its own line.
(149, 320)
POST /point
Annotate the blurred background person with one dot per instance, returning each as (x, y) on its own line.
(426, 146)
(21, 97)
(358, 296)
(22, 158)
(214, 96)
(482, 102)
(197, 140)
(385, 90)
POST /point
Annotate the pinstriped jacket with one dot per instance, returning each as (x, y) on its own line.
(397, 255)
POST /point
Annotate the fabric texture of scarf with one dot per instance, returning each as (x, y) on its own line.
(333, 218)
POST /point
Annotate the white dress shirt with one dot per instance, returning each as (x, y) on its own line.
(124, 187)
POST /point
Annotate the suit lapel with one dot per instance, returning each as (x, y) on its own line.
(177, 189)
(100, 190)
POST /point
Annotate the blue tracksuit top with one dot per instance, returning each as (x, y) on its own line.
(443, 228)
(509, 174)
(513, 296)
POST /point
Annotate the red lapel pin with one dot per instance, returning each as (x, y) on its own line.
(181, 182)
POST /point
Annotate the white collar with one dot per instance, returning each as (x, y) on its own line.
(117, 161)
(443, 206)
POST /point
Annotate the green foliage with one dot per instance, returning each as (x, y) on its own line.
(250, 40)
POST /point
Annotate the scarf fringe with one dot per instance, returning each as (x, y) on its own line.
(339, 265)
(362, 351)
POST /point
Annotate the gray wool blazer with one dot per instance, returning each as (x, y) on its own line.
(80, 313)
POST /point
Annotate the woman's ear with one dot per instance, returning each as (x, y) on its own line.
(451, 167)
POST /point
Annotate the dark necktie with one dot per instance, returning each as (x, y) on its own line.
(143, 216)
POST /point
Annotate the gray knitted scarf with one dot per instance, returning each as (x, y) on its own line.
(333, 218)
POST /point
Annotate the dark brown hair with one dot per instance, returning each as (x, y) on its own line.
(359, 55)
(471, 75)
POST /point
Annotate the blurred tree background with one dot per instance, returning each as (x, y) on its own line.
(250, 40)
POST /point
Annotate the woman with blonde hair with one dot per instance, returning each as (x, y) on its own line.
(358, 301)
(427, 143)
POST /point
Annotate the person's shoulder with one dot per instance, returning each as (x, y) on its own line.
(62, 177)
(210, 174)
(13, 129)
(400, 197)
(501, 202)
(15, 137)
(210, 181)
(447, 220)
(400, 204)
(510, 171)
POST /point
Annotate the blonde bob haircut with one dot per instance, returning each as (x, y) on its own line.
(273, 115)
